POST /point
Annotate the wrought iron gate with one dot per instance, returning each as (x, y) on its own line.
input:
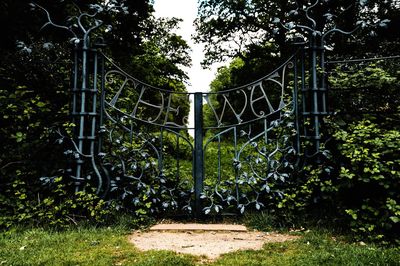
(133, 141)
(258, 127)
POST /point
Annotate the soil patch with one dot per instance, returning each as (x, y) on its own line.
(205, 243)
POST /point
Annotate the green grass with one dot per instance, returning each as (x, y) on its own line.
(314, 248)
(109, 246)
(91, 246)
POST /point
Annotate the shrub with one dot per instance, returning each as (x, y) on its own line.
(369, 178)
(53, 206)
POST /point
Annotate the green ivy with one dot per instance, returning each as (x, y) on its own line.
(370, 174)
(53, 206)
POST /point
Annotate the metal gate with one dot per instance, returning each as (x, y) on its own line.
(133, 141)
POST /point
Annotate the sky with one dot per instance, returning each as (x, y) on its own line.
(187, 10)
(199, 78)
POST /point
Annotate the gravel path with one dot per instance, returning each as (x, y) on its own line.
(208, 243)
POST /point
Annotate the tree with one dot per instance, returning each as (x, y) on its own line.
(233, 28)
(35, 79)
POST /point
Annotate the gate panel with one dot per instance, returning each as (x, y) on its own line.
(251, 142)
(145, 136)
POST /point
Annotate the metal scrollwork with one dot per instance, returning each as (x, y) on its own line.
(255, 99)
(148, 144)
(263, 145)
(155, 113)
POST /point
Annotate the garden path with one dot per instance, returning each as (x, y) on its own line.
(208, 240)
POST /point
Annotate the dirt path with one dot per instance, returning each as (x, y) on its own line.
(208, 243)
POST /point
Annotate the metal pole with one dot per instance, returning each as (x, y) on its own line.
(81, 115)
(324, 91)
(315, 89)
(295, 104)
(198, 151)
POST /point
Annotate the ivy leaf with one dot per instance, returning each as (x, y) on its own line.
(290, 25)
(48, 45)
(276, 176)
(395, 219)
(328, 16)
(230, 198)
(276, 20)
(135, 201)
(75, 40)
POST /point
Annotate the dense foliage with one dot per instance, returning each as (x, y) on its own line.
(34, 98)
(247, 29)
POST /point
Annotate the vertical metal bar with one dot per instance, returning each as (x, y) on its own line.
(131, 131)
(75, 70)
(295, 105)
(83, 100)
(160, 158)
(81, 114)
(198, 151)
(236, 168)
(314, 85)
(75, 85)
(94, 103)
(304, 97)
(265, 131)
(323, 78)
(219, 159)
(102, 98)
(177, 161)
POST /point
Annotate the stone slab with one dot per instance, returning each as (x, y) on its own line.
(199, 227)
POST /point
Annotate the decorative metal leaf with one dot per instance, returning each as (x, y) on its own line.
(276, 20)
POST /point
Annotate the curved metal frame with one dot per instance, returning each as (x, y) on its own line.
(97, 113)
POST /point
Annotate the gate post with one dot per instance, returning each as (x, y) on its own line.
(198, 164)
(84, 105)
(85, 110)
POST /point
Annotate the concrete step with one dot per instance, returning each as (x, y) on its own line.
(199, 227)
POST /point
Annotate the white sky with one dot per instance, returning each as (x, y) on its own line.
(187, 10)
(199, 78)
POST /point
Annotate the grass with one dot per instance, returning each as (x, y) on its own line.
(314, 248)
(90, 246)
(109, 246)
